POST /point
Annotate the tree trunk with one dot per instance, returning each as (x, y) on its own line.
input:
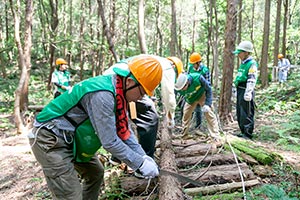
(277, 33)
(54, 23)
(228, 62)
(107, 32)
(265, 47)
(173, 44)
(159, 37)
(141, 34)
(21, 93)
(285, 22)
(170, 188)
(215, 44)
(194, 26)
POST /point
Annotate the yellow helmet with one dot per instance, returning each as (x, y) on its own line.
(147, 71)
(195, 57)
(280, 56)
(178, 63)
(60, 61)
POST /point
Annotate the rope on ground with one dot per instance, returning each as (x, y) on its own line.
(235, 157)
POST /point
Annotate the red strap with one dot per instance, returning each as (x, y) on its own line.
(121, 112)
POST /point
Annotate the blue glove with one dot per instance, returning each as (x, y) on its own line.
(149, 168)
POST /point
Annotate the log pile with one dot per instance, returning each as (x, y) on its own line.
(215, 168)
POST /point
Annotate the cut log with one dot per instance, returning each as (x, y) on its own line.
(216, 159)
(170, 188)
(213, 175)
(135, 186)
(197, 149)
(212, 189)
(221, 174)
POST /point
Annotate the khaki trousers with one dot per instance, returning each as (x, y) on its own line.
(212, 123)
(61, 172)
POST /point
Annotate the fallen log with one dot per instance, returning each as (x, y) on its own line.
(221, 188)
(197, 149)
(136, 186)
(214, 175)
(170, 187)
(220, 174)
(258, 153)
(216, 159)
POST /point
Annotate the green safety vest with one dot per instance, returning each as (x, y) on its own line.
(243, 70)
(195, 90)
(63, 79)
(203, 71)
(86, 141)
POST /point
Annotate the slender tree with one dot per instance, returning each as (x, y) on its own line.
(228, 61)
(285, 22)
(107, 32)
(53, 26)
(141, 34)
(21, 93)
(265, 46)
(174, 44)
(277, 33)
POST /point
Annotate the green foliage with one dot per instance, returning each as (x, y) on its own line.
(269, 191)
(232, 196)
(114, 192)
(7, 89)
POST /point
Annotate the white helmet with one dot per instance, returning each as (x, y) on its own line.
(245, 46)
(181, 81)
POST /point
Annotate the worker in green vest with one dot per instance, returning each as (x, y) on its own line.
(61, 78)
(197, 91)
(72, 127)
(245, 83)
(197, 66)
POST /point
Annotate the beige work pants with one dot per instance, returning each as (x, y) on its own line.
(212, 123)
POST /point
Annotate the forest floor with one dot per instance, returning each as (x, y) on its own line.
(21, 176)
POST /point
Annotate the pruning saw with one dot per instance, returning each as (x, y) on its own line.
(180, 177)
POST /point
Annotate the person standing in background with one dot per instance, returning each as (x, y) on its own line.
(61, 77)
(245, 82)
(283, 68)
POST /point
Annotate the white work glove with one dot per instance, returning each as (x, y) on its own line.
(68, 87)
(149, 168)
(205, 108)
(247, 96)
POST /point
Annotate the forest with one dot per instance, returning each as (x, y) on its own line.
(93, 35)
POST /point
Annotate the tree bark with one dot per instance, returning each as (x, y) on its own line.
(220, 174)
(277, 33)
(107, 32)
(285, 22)
(170, 188)
(54, 23)
(216, 159)
(21, 93)
(228, 62)
(141, 34)
(265, 47)
(173, 43)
